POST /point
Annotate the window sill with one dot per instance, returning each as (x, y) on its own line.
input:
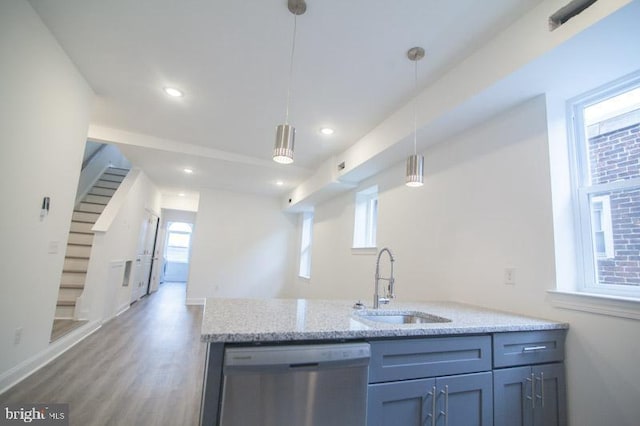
(622, 307)
(364, 250)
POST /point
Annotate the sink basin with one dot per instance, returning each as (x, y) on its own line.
(401, 317)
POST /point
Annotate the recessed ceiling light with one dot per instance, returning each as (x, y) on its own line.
(279, 183)
(181, 194)
(326, 131)
(188, 171)
(173, 92)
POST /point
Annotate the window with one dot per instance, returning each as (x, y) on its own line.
(178, 240)
(305, 245)
(366, 218)
(606, 167)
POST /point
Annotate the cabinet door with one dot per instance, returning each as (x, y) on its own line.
(512, 403)
(406, 403)
(550, 395)
(465, 400)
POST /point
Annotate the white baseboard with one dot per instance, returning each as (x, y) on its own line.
(195, 301)
(21, 371)
(122, 309)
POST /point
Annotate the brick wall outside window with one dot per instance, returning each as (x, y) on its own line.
(614, 156)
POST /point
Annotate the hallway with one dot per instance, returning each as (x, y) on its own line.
(144, 367)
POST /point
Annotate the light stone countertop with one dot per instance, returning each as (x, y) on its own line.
(271, 320)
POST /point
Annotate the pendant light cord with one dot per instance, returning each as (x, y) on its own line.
(415, 109)
(293, 49)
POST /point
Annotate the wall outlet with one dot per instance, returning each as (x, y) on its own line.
(510, 276)
(17, 337)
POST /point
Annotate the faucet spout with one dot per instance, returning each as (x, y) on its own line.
(377, 299)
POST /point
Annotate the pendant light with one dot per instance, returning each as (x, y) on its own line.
(415, 162)
(285, 133)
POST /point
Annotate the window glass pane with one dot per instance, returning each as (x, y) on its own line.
(180, 227)
(178, 239)
(612, 138)
(177, 254)
(617, 241)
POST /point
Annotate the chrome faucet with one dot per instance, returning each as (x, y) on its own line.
(377, 299)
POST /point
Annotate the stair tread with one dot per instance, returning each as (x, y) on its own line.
(72, 286)
(92, 202)
(87, 211)
(77, 257)
(79, 245)
(116, 171)
(66, 303)
(75, 271)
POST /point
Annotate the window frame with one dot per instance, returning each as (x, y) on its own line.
(365, 227)
(306, 233)
(583, 191)
(605, 227)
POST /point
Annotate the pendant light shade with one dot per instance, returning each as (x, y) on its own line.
(285, 139)
(415, 163)
(285, 133)
(415, 170)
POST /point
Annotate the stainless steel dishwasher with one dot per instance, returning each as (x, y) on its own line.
(310, 385)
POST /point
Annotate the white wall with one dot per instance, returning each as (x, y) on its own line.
(188, 202)
(44, 116)
(486, 205)
(241, 248)
(102, 298)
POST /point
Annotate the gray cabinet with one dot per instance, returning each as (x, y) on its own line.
(464, 400)
(530, 395)
(409, 402)
(421, 382)
(402, 359)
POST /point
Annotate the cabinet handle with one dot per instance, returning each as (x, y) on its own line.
(445, 413)
(541, 396)
(534, 348)
(532, 398)
(433, 406)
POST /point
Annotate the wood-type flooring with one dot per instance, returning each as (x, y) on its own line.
(144, 367)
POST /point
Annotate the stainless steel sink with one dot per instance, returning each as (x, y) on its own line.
(400, 317)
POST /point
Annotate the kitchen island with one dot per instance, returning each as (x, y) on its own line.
(468, 341)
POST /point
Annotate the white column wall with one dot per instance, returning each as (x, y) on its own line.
(44, 117)
(243, 247)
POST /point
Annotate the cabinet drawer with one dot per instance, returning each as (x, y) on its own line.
(430, 357)
(528, 347)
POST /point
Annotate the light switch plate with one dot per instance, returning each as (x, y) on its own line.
(510, 276)
(54, 247)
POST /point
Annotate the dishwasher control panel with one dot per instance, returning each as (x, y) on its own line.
(294, 354)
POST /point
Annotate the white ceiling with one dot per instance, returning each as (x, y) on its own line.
(231, 59)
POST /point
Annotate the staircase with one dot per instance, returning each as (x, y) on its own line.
(76, 260)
